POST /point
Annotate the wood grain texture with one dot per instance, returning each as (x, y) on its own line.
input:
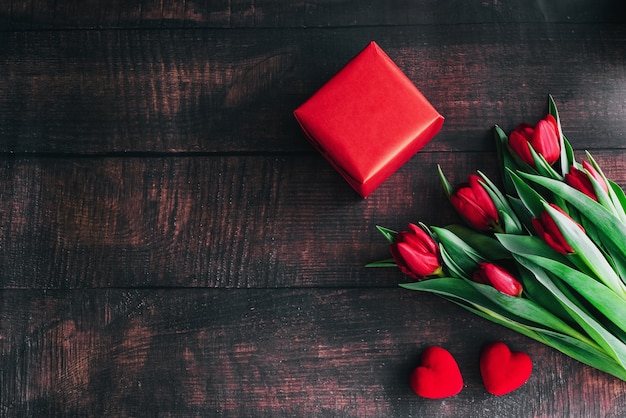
(22, 15)
(171, 245)
(265, 353)
(226, 222)
(94, 92)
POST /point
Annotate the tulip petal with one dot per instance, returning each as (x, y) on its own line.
(482, 197)
(471, 212)
(419, 263)
(499, 278)
(475, 205)
(545, 140)
(425, 240)
(521, 146)
(580, 181)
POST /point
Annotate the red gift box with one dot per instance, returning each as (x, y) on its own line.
(368, 120)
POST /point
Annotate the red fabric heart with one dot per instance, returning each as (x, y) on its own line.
(438, 376)
(502, 370)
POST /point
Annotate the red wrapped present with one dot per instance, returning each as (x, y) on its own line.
(368, 120)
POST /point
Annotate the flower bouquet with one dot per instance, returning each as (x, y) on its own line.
(545, 257)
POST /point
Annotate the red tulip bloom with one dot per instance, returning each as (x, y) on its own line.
(548, 230)
(544, 138)
(499, 278)
(416, 253)
(579, 179)
(474, 204)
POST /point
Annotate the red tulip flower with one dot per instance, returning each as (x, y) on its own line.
(548, 230)
(579, 179)
(544, 138)
(416, 253)
(474, 204)
(499, 278)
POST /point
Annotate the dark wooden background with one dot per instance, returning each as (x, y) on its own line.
(171, 245)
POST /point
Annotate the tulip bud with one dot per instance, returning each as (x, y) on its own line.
(544, 138)
(579, 179)
(548, 230)
(474, 204)
(499, 278)
(416, 253)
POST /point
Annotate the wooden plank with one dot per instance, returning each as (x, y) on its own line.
(44, 14)
(227, 222)
(267, 353)
(230, 91)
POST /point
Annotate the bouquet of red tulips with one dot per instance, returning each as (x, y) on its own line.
(546, 258)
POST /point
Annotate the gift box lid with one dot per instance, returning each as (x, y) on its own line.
(368, 120)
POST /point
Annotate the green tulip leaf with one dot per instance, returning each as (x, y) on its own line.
(590, 229)
(500, 135)
(488, 247)
(590, 208)
(536, 292)
(608, 200)
(542, 166)
(522, 213)
(528, 244)
(567, 154)
(614, 199)
(461, 291)
(604, 220)
(486, 297)
(586, 251)
(447, 187)
(552, 109)
(615, 255)
(453, 268)
(383, 263)
(511, 225)
(450, 287)
(582, 352)
(600, 296)
(532, 200)
(496, 196)
(619, 194)
(528, 311)
(589, 354)
(508, 216)
(463, 294)
(463, 254)
(389, 234)
(609, 343)
(504, 158)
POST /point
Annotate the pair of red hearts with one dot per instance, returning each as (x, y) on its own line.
(439, 376)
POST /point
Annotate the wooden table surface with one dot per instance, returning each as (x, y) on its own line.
(172, 246)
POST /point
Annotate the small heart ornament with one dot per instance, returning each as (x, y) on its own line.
(504, 370)
(438, 376)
